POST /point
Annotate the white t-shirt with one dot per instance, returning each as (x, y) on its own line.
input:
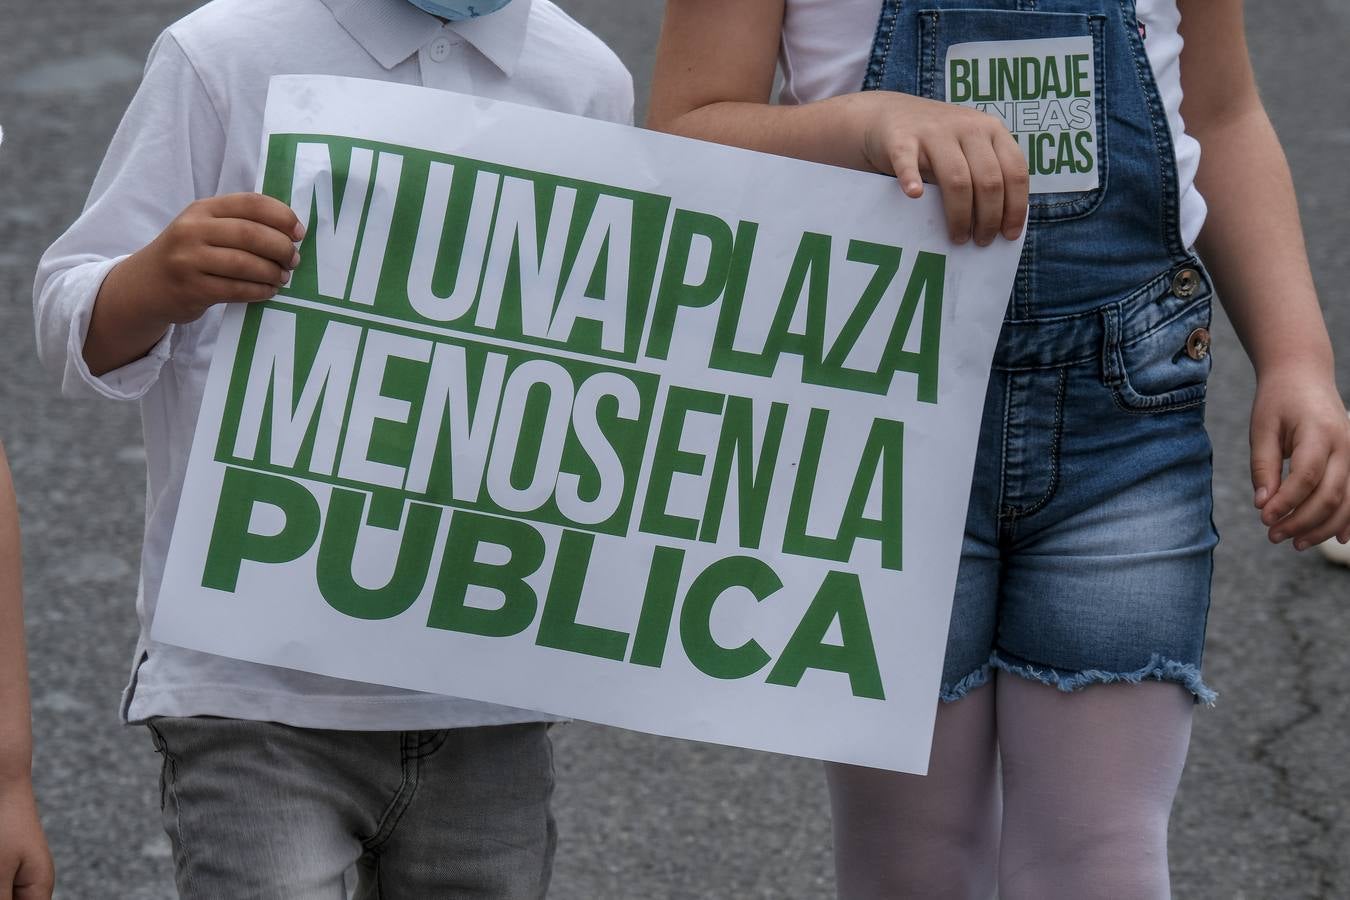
(827, 43)
(194, 130)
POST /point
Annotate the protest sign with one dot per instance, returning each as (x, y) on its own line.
(585, 419)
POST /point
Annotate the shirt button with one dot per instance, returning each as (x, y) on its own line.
(1197, 344)
(440, 49)
(1186, 283)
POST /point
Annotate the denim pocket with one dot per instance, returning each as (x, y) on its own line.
(1166, 367)
(942, 29)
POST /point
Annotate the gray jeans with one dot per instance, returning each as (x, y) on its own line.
(261, 811)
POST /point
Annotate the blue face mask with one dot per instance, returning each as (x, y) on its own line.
(457, 12)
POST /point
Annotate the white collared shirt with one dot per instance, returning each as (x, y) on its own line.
(193, 130)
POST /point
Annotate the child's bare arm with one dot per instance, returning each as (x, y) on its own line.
(714, 75)
(1254, 243)
(233, 248)
(25, 864)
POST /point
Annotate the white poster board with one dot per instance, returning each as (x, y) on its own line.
(586, 419)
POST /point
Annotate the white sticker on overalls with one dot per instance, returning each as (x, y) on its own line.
(1044, 91)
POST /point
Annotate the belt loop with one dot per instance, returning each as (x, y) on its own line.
(1112, 371)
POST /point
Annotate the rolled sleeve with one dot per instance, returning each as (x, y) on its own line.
(76, 290)
(166, 153)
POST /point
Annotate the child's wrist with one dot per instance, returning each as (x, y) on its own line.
(135, 294)
(857, 120)
(1306, 369)
(125, 322)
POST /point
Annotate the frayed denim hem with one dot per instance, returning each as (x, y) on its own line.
(1159, 669)
(975, 679)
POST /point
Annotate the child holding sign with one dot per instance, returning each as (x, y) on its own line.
(276, 781)
(25, 863)
(1074, 650)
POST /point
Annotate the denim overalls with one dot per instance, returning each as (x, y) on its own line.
(1089, 538)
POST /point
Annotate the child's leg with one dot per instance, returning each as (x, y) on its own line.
(934, 837)
(1088, 782)
(261, 811)
(475, 821)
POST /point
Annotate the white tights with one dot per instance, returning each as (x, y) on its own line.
(1087, 785)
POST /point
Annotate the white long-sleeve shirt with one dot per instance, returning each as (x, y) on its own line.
(194, 130)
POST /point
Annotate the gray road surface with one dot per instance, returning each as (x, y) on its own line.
(1262, 811)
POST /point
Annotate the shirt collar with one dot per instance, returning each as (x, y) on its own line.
(499, 36)
(393, 30)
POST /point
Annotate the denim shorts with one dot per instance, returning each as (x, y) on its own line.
(1089, 540)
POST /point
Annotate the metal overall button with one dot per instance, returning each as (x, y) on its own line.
(1186, 283)
(1197, 344)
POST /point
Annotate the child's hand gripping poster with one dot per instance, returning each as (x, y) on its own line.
(586, 419)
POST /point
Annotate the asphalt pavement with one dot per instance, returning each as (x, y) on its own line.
(1263, 806)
